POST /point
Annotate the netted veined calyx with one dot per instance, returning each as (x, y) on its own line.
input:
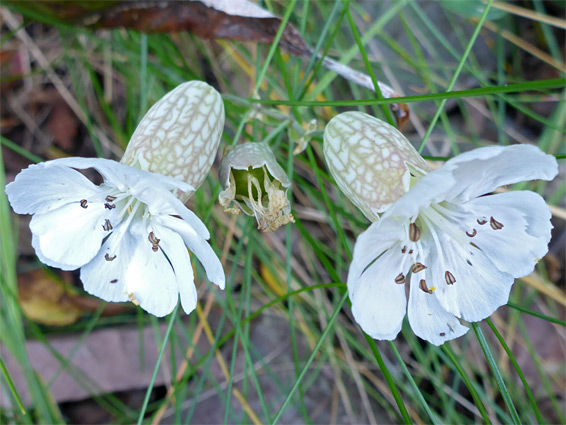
(179, 135)
(255, 184)
(371, 161)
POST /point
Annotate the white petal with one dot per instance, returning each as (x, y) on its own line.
(104, 276)
(177, 253)
(46, 260)
(70, 236)
(433, 188)
(39, 189)
(120, 175)
(428, 319)
(378, 238)
(480, 287)
(483, 170)
(200, 247)
(164, 203)
(378, 303)
(523, 240)
(149, 276)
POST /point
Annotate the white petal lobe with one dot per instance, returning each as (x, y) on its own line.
(69, 235)
(40, 189)
(428, 319)
(175, 249)
(200, 248)
(378, 303)
(149, 276)
(483, 170)
(523, 239)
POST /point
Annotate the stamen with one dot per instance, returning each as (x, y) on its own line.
(114, 281)
(133, 298)
(400, 279)
(110, 198)
(417, 267)
(107, 226)
(442, 334)
(411, 251)
(404, 249)
(481, 221)
(154, 241)
(109, 258)
(495, 225)
(109, 206)
(414, 232)
(423, 287)
(450, 279)
(84, 203)
(474, 233)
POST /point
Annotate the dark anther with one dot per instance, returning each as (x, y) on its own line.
(482, 221)
(495, 225)
(474, 233)
(107, 226)
(109, 206)
(411, 251)
(422, 285)
(114, 281)
(404, 249)
(450, 279)
(417, 267)
(84, 203)
(154, 241)
(110, 198)
(414, 232)
(400, 279)
(109, 258)
(442, 334)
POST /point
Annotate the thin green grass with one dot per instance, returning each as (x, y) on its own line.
(295, 277)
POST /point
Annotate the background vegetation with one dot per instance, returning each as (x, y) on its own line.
(280, 345)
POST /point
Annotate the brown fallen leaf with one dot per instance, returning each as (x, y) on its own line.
(45, 300)
(239, 20)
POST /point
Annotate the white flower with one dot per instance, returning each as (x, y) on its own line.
(130, 234)
(458, 251)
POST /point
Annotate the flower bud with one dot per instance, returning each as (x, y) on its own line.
(179, 135)
(371, 161)
(255, 182)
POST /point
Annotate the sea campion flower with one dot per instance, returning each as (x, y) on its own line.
(458, 251)
(256, 184)
(130, 234)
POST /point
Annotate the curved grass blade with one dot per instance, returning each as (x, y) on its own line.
(157, 364)
(10, 383)
(311, 358)
(555, 83)
(498, 378)
(477, 401)
(413, 384)
(389, 380)
(536, 314)
(518, 369)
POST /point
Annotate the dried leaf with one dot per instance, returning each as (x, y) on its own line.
(46, 301)
(239, 20)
